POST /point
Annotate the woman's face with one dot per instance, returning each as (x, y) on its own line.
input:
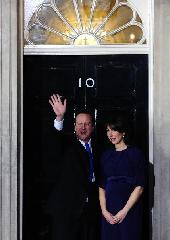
(115, 137)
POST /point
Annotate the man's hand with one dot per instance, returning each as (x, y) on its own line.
(58, 107)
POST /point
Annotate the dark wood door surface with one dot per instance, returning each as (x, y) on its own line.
(102, 84)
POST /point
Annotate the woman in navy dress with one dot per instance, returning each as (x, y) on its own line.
(121, 186)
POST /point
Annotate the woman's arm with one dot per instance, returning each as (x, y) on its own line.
(108, 216)
(134, 197)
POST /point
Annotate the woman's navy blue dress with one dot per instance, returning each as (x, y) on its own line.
(121, 172)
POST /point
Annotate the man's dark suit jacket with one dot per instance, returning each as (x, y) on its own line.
(69, 186)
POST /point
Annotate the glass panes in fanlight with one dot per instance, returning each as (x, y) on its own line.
(82, 22)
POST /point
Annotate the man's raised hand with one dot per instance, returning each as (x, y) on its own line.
(58, 107)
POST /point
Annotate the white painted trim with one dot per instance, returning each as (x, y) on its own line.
(20, 117)
(151, 80)
(8, 120)
(151, 97)
(85, 50)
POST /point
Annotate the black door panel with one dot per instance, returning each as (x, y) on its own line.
(102, 84)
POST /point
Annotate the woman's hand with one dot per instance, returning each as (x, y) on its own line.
(58, 107)
(108, 216)
(120, 216)
(135, 195)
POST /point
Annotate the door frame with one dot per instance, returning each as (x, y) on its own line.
(100, 51)
(11, 75)
(83, 50)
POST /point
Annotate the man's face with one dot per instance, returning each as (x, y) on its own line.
(83, 126)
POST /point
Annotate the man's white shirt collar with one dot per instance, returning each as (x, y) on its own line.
(83, 143)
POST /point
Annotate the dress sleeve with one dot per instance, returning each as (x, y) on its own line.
(140, 175)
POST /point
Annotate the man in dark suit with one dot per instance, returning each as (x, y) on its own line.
(73, 202)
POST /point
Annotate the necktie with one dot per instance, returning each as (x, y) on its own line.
(91, 170)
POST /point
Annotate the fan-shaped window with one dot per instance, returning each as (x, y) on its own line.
(82, 22)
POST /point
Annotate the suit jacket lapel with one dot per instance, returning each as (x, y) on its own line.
(84, 158)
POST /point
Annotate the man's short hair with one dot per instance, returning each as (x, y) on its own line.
(85, 111)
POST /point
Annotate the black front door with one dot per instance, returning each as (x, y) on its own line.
(102, 84)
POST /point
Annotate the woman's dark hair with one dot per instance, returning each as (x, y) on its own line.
(118, 121)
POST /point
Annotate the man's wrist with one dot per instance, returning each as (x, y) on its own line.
(59, 118)
(58, 124)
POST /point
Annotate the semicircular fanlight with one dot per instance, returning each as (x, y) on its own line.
(85, 22)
